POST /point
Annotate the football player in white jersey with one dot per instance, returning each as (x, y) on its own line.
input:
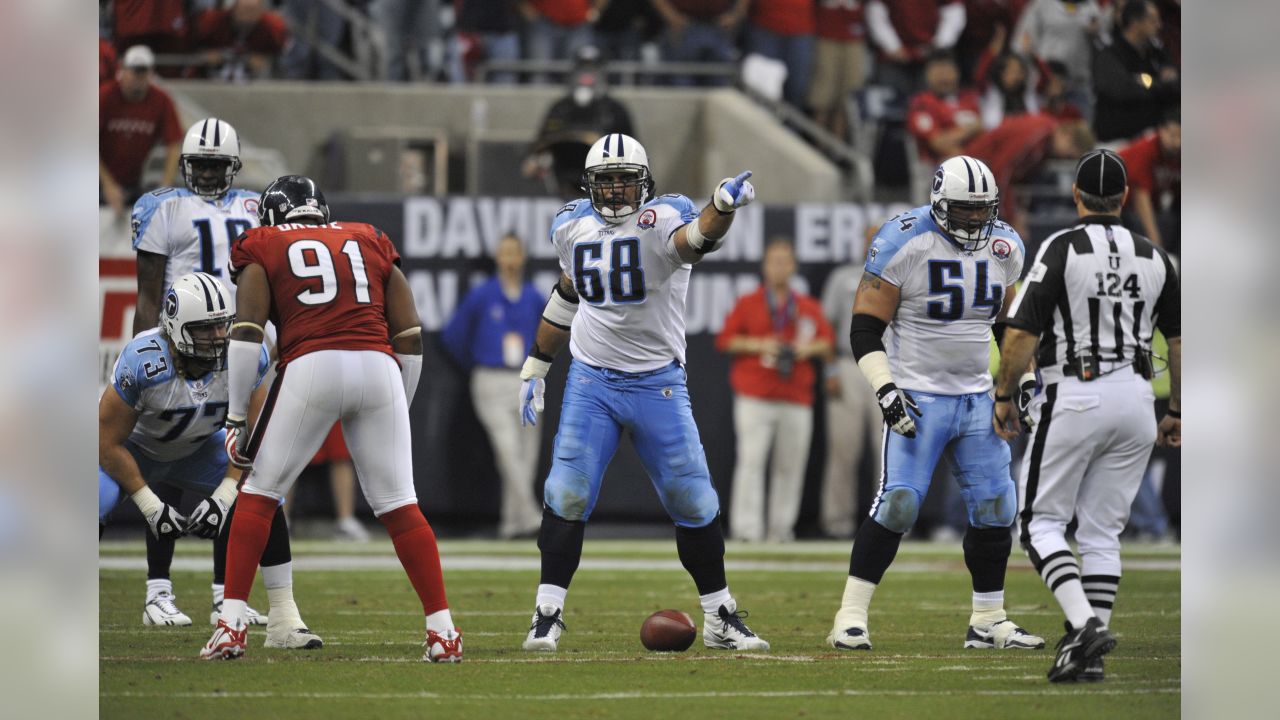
(181, 230)
(161, 422)
(620, 305)
(938, 277)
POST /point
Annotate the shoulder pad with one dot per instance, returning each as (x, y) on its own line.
(571, 211)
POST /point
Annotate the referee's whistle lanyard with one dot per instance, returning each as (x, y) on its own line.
(780, 316)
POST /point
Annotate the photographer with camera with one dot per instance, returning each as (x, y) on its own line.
(772, 334)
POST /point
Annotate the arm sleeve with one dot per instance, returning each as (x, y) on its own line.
(1169, 304)
(1033, 307)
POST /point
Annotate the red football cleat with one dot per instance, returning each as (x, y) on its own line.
(443, 648)
(227, 643)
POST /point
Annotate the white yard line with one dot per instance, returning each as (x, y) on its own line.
(637, 695)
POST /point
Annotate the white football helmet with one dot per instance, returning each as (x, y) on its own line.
(616, 198)
(197, 314)
(964, 201)
(210, 157)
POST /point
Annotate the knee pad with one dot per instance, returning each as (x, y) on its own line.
(898, 509)
(568, 496)
(996, 511)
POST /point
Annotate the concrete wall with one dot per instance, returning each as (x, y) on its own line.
(694, 137)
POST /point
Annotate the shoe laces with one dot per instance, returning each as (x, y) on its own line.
(164, 601)
(733, 620)
(542, 624)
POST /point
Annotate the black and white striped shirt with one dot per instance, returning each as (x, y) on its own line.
(1097, 289)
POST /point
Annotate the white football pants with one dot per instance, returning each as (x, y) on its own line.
(1087, 455)
(364, 390)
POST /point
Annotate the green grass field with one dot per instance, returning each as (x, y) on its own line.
(358, 600)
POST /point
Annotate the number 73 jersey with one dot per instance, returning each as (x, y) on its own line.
(328, 284)
(630, 280)
(939, 338)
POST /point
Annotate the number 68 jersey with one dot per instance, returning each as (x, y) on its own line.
(175, 414)
(630, 280)
(328, 284)
(939, 338)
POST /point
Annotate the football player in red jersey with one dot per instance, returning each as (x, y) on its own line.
(345, 316)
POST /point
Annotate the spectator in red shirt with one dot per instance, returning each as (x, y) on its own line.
(773, 334)
(700, 31)
(1017, 150)
(943, 117)
(1154, 163)
(108, 63)
(909, 31)
(783, 30)
(839, 61)
(134, 115)
(242, 42)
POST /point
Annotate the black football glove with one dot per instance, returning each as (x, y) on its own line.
(893, 405)
(207, 519)
(167, 523)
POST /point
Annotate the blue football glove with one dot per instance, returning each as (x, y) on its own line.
(733, 193)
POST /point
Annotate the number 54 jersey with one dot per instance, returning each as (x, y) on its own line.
(328, 284)
(631, 283)
(939, 338)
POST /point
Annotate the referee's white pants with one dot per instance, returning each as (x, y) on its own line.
(515, 449)
(1091, 445)
(851, 420)
(787, 428)
(364, 390)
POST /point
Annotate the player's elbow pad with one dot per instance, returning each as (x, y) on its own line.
(866, 335)
(560, 309)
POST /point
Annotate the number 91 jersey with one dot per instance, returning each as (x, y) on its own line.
(939, 338)
(328, 284)
(630, 280)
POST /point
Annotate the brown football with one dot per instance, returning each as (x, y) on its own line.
(668, 631)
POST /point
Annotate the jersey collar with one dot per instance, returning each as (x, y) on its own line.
(1100, 220)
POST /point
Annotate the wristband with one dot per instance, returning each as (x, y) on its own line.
(147, 501)
(1173, 414)
(1004, 398)
(226, 491)
(534, 368)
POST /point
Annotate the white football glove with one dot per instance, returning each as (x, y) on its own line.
(733, 193)
(532, 388)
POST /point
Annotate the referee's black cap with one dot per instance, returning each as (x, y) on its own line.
(1101, 173)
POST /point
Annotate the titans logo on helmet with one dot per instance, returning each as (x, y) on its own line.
(171, 303)
(938, 177)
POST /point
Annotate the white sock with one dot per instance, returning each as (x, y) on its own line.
(234, 613)
(217, 593)
(988, 608)
(711, 602)
(549, 595)
(156, 587)
(856, 602)
(440, 621)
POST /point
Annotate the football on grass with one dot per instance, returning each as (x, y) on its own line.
(668, 631)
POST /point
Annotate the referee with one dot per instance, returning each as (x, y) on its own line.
(1092, 299)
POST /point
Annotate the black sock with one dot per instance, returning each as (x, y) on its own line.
(220, 548)
(560, 541)
(702, 554)
(874, 548)
(986, 553)
(277, 551)
(160, 552)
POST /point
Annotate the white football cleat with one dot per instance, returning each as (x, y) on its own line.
(545, 629)
(445, 647)
(724, 630)
(227, 643)
(850, 638)
(292, 636)
(251, 616)
(161, 610)
(1002, 635)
